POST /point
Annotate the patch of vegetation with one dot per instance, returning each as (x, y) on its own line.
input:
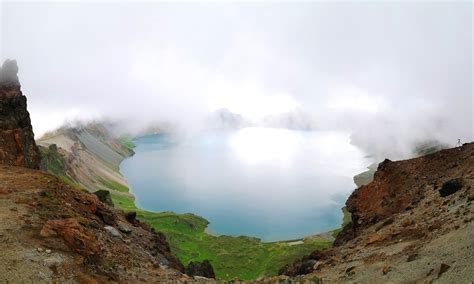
(115, 185)
(127, 142)
(51, 161)
(232, 257)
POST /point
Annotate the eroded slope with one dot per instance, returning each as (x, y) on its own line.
(413, 222)
(51, 231)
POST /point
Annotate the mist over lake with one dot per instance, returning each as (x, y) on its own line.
(273, 184)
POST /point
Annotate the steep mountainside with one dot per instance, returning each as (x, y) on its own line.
(87, 155)
(17, 142)
(413, 222)
(53, 232)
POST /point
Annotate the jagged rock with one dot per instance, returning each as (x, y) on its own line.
(105, 214)
(104, 196)
(161, 250)
(203, 269)
(306, 267)
(442, 269)
(386, 269)
(131, 217)
(17, 143)
(451, 187)
(74, 235)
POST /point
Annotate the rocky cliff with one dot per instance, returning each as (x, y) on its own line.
(413, 222)
(18, 147)
(55, 232)
(87, 155)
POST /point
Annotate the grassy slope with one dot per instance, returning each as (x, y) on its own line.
(232, 257)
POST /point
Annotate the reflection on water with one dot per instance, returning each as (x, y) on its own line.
(270, 183)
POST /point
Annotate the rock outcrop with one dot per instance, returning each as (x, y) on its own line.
(52, 232)
(413, 222)
(17, 143)
(203, 269)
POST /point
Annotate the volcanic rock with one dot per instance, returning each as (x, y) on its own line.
(451, 187)
(203, 269)
(104, 196)
(17, 144)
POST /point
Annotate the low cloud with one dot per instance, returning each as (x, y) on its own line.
(391, 73)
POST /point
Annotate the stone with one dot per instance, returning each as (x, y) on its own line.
(74, 235)
(442, 269)
(53, 261)
(131, 216)
(112, 231)
(124, 228)
(386, 269)
(40, 249)
(104, 197)
(203, 269)
(451, 187)
(48, 251)
(105, 214)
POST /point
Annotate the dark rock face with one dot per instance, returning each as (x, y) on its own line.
(203, 269)
(17, 143)
(104, 197)
(451, 187)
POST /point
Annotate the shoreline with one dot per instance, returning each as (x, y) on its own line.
(327, 235)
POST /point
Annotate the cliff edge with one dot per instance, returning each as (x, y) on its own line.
(413, 222)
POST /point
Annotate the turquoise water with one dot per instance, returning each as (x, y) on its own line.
(274, 184)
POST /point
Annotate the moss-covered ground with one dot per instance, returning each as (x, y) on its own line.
(232, 257)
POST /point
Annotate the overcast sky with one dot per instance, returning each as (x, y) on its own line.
(389, 72)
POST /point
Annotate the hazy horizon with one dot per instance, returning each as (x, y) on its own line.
(391, 73)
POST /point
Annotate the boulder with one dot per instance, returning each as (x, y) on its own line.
(131, 217)
(75, 236)
(203, 269)
(104, 197)
(451, 187)
(112, 231)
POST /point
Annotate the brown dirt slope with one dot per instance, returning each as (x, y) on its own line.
(412, 224)
(51, 232)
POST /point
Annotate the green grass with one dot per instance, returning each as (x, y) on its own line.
(127, 141)
(232, 257)
(115, 185)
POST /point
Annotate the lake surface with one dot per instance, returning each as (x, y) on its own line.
(275, 184)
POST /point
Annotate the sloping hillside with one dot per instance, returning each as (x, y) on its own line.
(87, 156)
(412, 223)
(52, 232)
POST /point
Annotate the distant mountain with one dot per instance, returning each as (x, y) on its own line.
(294, 120)
(225, 119)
